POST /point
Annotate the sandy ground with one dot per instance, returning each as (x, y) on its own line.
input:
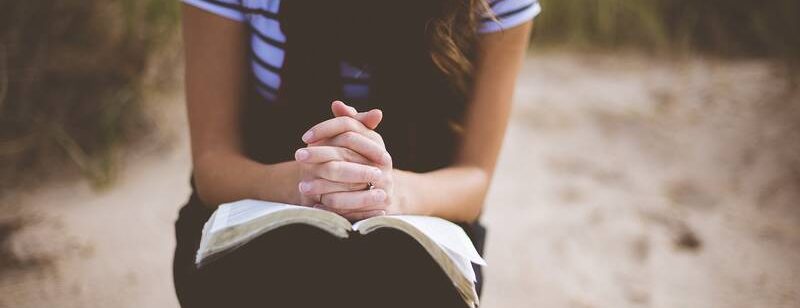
(624, 182)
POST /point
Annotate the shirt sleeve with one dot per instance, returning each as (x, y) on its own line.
(231, 9)
(508, 13)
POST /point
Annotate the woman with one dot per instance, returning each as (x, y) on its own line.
(438, 76)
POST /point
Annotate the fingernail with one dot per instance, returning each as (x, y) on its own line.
(353, 110)
(301, 154)
(305, 187)
(379, 195)
(307, 136)
(376, 173)
(387, 159)
(382, 213)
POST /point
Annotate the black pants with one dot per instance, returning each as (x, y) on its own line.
(302, 266)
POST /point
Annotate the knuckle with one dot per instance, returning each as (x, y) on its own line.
(317, 187)
(347, 155)
(351, 124)
(319, 154)
(376, 196)
(338, 153)
(354, 157)
(375, 136)
(332, 142)
(350, 136)
(367, 174)
(333, 154)
(367, 199)
(331, 168)
(370, 202)
(388, 160)
(331, 201)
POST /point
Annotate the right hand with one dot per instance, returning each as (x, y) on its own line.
(330, 166)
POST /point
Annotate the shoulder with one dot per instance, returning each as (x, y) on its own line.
(237, 10)
(505, 14)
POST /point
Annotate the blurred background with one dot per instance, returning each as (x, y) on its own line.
(652, 159)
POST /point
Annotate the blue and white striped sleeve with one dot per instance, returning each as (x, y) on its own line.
(509, 13)
(231, 9)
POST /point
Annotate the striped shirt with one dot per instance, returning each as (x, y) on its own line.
(267, 41)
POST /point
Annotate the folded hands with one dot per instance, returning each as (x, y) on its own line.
(345, 167)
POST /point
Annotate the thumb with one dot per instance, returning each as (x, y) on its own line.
(340, 109)
(370, 119)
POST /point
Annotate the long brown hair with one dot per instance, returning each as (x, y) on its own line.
(452, 37)
(419, 54)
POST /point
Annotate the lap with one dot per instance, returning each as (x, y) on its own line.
(302, 266)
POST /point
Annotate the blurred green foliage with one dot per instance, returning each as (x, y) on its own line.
(71, 80)
(722, 27)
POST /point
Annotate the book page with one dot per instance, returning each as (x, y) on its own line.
(463, 264)
(239, 212)
(234, 224)
(445, 233)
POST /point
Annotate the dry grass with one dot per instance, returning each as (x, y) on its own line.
(71, 82)
(722, 27)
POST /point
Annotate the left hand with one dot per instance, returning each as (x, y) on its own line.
(354, 131)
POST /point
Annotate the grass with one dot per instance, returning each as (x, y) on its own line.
(729, 28)
(71, 82)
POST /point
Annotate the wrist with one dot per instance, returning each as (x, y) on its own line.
(404, 197)
(257, 189)
(277, 183)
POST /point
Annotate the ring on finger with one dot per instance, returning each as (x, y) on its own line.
(370, 186)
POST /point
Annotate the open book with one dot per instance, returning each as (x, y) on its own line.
(234, 224)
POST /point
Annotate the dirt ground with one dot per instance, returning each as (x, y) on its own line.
(625, 181)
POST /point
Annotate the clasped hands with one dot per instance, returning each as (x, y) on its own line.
(343, 158)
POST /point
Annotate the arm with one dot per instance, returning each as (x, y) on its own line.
(457, 193)
(216, 66)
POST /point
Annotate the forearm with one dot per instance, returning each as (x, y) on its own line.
(226, 177)
(457, 193)
(454, 193)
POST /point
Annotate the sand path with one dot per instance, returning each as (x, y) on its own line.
(624, 182)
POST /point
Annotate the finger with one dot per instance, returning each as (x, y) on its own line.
(347, 172)
(323, 154)
(370, 119)
(323, 186)
(340, 109)
(353, 215)
(369, 134)
(333, 127)
(355, 201)
(362, 146)
(363, 215)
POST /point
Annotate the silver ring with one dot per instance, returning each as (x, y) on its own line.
(370, 186)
